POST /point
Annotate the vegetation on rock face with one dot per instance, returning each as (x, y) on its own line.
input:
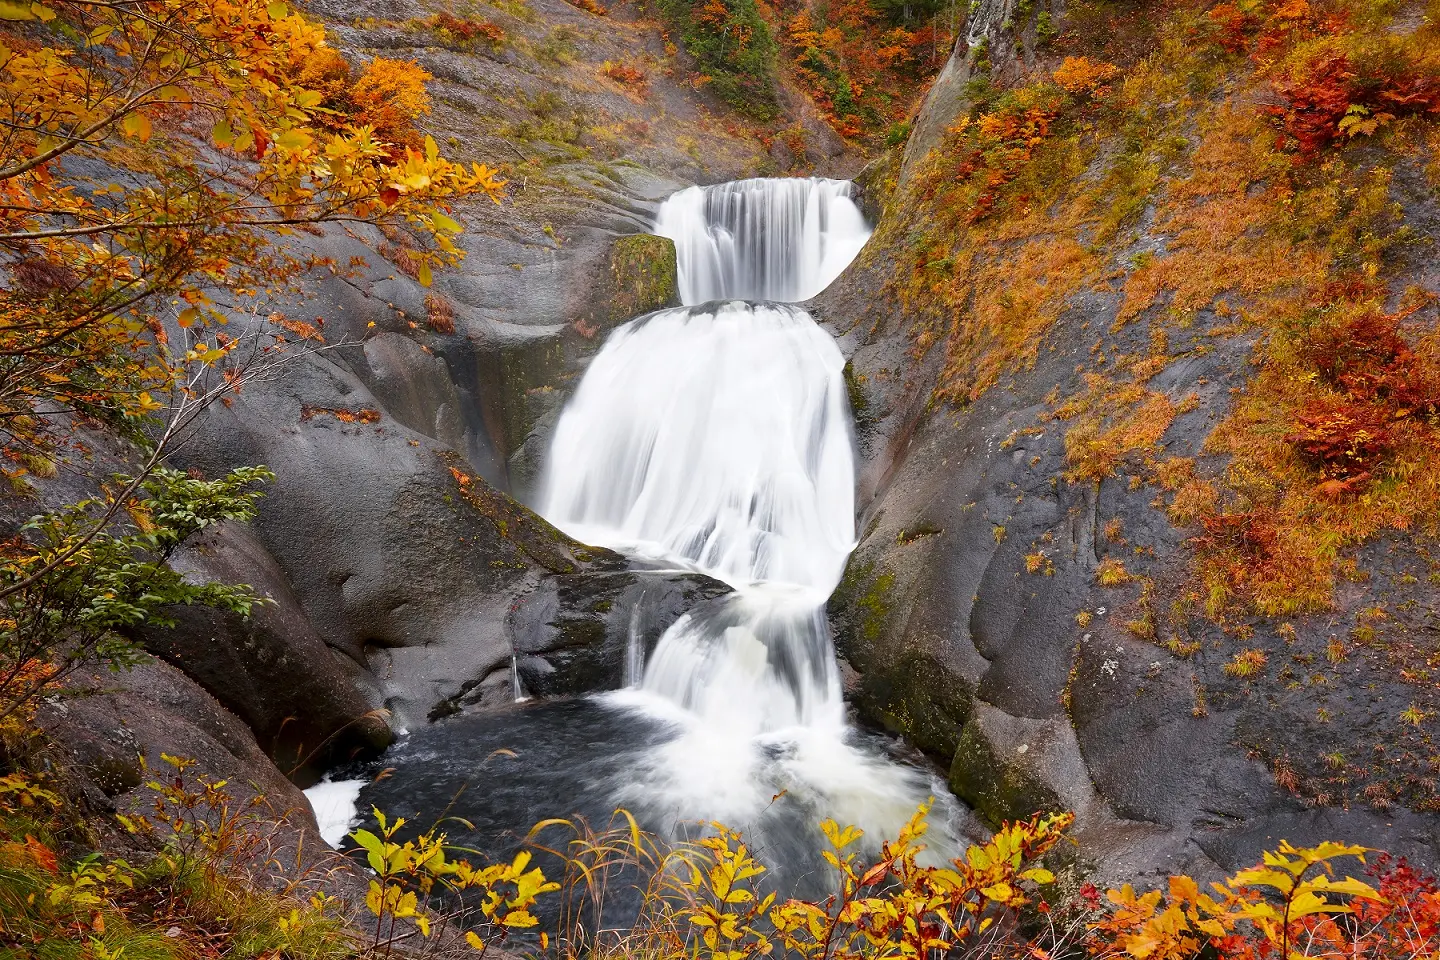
(150, 149)
(1185, 186)
(1245, 136)
(864, 61)
(197, 886)
(734, 50)
(152, 153)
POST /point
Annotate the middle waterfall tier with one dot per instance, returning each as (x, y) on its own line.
(715, 436)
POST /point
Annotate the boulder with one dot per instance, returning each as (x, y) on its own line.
(271, 669)
(113, 729)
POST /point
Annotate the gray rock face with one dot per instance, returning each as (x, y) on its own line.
(980, 631)
(979, 660)
(271, 669)
(114, 727)
(575, 632)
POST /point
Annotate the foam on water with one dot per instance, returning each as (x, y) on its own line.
(335, 806)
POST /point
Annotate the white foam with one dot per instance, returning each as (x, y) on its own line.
(336, 807)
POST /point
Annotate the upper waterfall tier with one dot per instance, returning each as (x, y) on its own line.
(765, 239)
(719, 435)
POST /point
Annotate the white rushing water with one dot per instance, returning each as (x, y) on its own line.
(718, 438)
(334, 803)
(716, 434)
(783, 240)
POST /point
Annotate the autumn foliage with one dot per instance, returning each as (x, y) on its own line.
(235, 122)
(864, 69)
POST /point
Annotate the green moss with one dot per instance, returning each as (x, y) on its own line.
(999, 788)
(904, 687)
(855, 387)
(644, 275)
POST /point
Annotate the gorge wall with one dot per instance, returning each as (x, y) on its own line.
(1030, 601)
(1054, 339)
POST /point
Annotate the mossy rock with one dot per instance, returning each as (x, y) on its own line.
(644, 277)
(999, 788)
(904, 688)
(915, 696)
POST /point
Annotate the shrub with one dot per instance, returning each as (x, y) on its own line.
(625, 74)
(1343, 439)
(733, 48)
(1247, 663)
(77, 578)
(467, 32)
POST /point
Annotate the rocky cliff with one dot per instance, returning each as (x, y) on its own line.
(1070, 531)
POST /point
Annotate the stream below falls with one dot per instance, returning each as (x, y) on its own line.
(715, 437)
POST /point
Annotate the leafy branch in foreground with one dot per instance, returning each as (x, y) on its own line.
(66, 613)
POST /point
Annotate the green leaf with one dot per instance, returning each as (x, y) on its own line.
(442, 222)
(278, 11)
(11, 10)
(222, 134)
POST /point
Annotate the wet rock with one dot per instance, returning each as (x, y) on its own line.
(575, 632)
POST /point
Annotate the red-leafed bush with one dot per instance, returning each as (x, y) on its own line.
(468, 31)
(1369, 359)
(1344, 439)
(1333, 97)
(1244, 532)
(624, 73)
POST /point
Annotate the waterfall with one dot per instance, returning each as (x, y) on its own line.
(782, 240)
(717, 437)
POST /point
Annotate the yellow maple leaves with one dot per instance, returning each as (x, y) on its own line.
(168, 215)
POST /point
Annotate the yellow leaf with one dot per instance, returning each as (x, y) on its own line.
(474, 940)
(424, 275)
(294, 140)
(11, 10)
(136, 125)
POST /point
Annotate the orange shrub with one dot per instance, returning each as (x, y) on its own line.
(1081, 75)
(624, 73)
(390, 94)
(440, 313)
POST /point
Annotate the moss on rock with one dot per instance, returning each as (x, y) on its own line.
(904, 687)
(644, 275)
(999, 788)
